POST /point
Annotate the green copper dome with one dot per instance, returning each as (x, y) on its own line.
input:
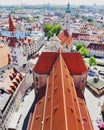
(68, 9)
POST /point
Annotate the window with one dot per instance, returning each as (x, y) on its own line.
(83, 80)
(36, 79)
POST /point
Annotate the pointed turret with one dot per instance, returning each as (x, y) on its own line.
(11, 25)
(67, 18)
(68, 9)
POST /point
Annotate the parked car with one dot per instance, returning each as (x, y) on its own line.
(91, 73)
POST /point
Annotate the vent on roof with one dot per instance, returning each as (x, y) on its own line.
(55, 89)
(68, 89)
(50, 84)
(74, 99)
(78, 119)
(37, 117)
(55, 108)
(55, 66)
(84, 119)
(40, 102)
(48, 98)
(65, 66)
(66, 76)
(55, 76)
(71, 109)
(47, 118)
(81, 103)
(71, 84)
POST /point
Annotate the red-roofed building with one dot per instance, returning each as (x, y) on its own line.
(65, 39)
(96, 49)
(15, 47)
(59, 103)
(11, 25)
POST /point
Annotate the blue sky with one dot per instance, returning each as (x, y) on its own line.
(61, 2)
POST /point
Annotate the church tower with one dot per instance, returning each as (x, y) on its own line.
(18, 58)
(67, 18)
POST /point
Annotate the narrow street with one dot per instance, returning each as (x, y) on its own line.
(25, 108)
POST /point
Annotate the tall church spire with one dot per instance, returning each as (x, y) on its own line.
(67, 18)
(68, 9)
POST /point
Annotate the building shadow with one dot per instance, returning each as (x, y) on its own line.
(38, 96)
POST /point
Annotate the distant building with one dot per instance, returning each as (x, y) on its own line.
(64, 39)
(96, 50)
(59, 87)
(18, 56)
(67, 18)
(13, 85)
(31, 44)
(22, 49)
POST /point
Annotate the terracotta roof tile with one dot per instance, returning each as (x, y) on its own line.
(65, 38)
(11, 25)
(47, 60)
(58, 107)
(10, 80)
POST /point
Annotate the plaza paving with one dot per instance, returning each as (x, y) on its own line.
(94, 107)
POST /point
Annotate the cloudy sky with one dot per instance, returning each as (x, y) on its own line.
(60, 2)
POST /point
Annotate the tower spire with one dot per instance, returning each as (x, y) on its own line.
(68, 9)
(67, 18)
(11, 25)
(12, 34)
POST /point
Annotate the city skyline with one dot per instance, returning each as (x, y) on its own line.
(62, 2)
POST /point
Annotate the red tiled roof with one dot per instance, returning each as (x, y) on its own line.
(76, 35)
(65, 37)
(12, 42)
(12, 80)
(84, 112)
(95, 46)
(47, 59)
(45, 62)
(36, 120)
(73, 59)
(11, 25)
(58, 107)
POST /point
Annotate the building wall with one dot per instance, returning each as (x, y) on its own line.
(92, 52)
(17, 57)
(39, 80)
(80, 81)
(13, 103)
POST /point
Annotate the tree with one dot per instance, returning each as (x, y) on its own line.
(46, 28)
(90, 20)
(84, 18)
(83, 51)
(78, 46)
(51, 29)
(92, 61)
(35, 17)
